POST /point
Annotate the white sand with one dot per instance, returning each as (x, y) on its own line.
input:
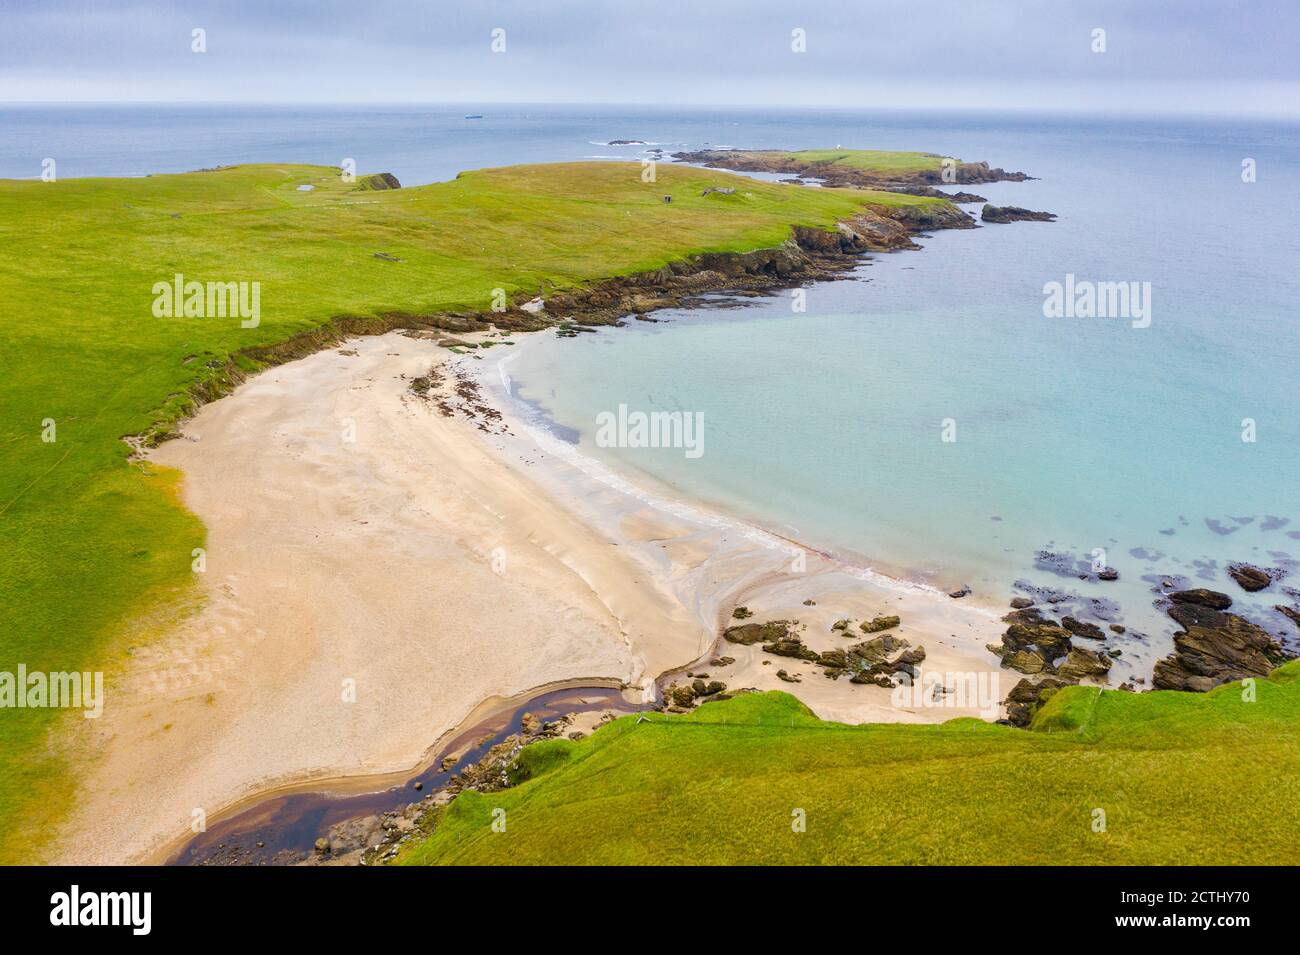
(372, 560)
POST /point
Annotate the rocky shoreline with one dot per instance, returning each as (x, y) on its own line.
(810, 255)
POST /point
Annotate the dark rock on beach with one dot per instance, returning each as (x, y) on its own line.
(751, 633)
(993, 213)
(791, 646)
(878, 624)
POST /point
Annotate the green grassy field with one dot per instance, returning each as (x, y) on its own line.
(872, 160)
(1181, 778)
(95, 550)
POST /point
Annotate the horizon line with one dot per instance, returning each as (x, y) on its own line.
(1134, 113)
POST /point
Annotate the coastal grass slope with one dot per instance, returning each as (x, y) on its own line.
(884, 162)
(1181, 778)
(96, 550)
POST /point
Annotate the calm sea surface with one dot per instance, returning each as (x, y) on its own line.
(1072, 434)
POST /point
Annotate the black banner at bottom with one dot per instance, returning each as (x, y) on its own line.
(336, 904)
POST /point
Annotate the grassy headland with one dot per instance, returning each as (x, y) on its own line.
(94, 546)
(865, 168)
(880, 161)
(1180, 777)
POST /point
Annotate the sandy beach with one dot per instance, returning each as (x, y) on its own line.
(376, 570)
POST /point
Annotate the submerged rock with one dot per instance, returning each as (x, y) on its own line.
(1249, 577)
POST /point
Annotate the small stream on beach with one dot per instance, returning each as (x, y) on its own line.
(283, 829)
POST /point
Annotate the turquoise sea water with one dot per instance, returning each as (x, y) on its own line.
(1071, 434)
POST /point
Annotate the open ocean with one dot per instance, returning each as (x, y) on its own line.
(1072, 434)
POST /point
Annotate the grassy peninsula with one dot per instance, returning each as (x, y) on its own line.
(96, 550)
(1182, 778)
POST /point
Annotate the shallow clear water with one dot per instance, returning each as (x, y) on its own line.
(1071, 434)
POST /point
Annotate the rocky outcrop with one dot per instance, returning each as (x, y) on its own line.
(1214, 646)
(930, 192)
(1202, 597)
(377, 181)
(1026, 697)
(1249, 577)
(931, 216)
(751, 633)
(1035, 645)
(877, 624)
(875, 661)
(1032, 643)
(682, 696)
(993, 213)
(878, 660)
(791, 646)
(1081, 628)
(1083, 664)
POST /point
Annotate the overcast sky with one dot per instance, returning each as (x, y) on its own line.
(1161, 55)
